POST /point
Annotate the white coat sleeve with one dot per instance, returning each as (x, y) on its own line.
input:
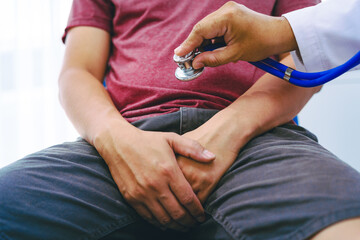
(327, 34)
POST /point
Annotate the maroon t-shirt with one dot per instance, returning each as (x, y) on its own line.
(141, 79)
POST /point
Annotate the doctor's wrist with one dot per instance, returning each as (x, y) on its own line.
(283, 36)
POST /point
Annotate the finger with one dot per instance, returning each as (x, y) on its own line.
(193, 41)
(190, 148)
(203, 192)
(215, 58)
(207, 28)
(177, 212)
(146, 214)
(187, 197)
(163, 217)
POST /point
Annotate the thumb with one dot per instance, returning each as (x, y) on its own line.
(193, 41)
(215, 58)
(190, 148)
(207, 28)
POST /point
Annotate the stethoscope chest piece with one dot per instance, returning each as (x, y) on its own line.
(185, 71)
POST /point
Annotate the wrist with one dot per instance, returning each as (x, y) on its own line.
(285, 39)
(242, 125)
(230, 129)
(110, 133)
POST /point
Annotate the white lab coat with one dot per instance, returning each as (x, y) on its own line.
(327, 34)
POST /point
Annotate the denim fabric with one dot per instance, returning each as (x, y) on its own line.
(283, 185)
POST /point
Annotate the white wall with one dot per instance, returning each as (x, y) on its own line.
(334, 116)
(31, 55)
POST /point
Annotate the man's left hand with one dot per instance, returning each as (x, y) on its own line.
(203, 177)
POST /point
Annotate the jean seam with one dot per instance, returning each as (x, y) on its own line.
(181, 121)
(108, 228)
(3, 236)
(222, 220)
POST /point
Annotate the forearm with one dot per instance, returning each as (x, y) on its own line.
(270, 102)
(88, 104)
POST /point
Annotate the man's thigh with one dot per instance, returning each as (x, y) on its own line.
(63, 192)
(284, 185)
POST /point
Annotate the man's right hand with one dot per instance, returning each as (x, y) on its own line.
(249, 36)
(144, 167)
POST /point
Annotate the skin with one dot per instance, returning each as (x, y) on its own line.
(250, 36)
(347, 229)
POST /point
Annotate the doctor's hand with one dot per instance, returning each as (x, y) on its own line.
(144, 167)
(249, 36)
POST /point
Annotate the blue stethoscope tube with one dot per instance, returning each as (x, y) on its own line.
(301, 79)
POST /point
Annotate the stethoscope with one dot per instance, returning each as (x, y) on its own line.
(185, 71)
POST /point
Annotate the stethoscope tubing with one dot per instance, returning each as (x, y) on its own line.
(304, 79)
(301, 79)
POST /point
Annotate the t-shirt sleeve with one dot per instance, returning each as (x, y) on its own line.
(94, 13)
(285, 6)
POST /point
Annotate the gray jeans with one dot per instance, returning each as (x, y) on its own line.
(283, 185)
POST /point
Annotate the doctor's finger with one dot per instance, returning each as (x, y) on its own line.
(208, 28)
(217, 57)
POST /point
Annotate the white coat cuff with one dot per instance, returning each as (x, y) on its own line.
(301, 23)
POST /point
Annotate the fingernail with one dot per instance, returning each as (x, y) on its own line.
(208, 154)
(177, 49)
(198, 65)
